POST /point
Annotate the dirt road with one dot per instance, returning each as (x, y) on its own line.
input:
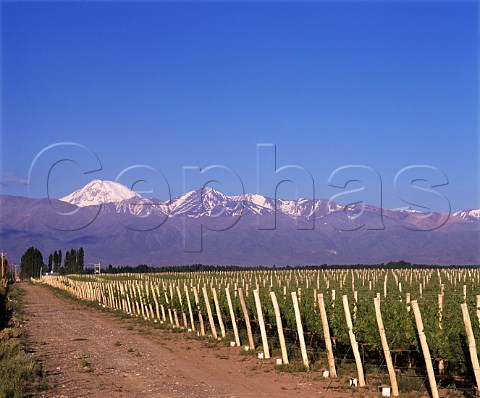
(91, 353)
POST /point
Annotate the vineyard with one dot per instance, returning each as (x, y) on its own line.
(408, 329)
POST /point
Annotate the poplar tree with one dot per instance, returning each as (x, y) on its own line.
(31, 263)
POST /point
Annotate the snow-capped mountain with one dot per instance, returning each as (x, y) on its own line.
(201, 202)
(130, 229)
(208, 202)
(99, 192)
(468, 215)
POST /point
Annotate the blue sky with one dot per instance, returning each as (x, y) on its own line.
(381, 84)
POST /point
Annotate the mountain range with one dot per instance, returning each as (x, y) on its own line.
(118, 226)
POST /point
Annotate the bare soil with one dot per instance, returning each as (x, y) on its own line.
(89, 353)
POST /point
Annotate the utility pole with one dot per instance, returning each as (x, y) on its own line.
(3, 265)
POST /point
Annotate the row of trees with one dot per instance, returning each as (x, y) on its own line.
(74, 262)
(55, 261)
(32, 262)
(144, 268)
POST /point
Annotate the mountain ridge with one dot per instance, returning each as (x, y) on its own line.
(205, 226)
(97, 193)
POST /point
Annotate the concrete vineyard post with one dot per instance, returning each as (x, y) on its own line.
(278, 318)
(425, 350)
(386, 350)
(326, 335)
(263, 332)
(353, 342)
(301, 336)
(472, 347)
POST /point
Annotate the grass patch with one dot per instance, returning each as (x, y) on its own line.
(291, 367)
(117, 344)
(249, 352)
(85, 366)
(20, 373)
(410, 381)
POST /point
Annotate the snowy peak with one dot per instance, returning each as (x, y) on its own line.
(202, 201)
(209, 202)
(469, 215)
(99, 192)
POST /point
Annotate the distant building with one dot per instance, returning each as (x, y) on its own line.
(51, 274)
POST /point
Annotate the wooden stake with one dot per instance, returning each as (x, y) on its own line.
(278, 318)
(209, 312)
(200, 317)
(175, 316)
(263, 332)
(232, 317)
(478, 307)
(353, 342)
(471, 344)
(164, 318)
(157, 308)
(219, 313)
(386, 350)
(185, 323)
(425, 350)
(189, 307)
(440, 310)
(326, 335)
(301, 336)
(247, 319)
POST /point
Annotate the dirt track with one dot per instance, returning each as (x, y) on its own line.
(89, 353)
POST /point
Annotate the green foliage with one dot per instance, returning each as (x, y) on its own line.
(50, 262)
(18, 370)
(74, 262)
(57, 261)
(31, 263)
(445, 334)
